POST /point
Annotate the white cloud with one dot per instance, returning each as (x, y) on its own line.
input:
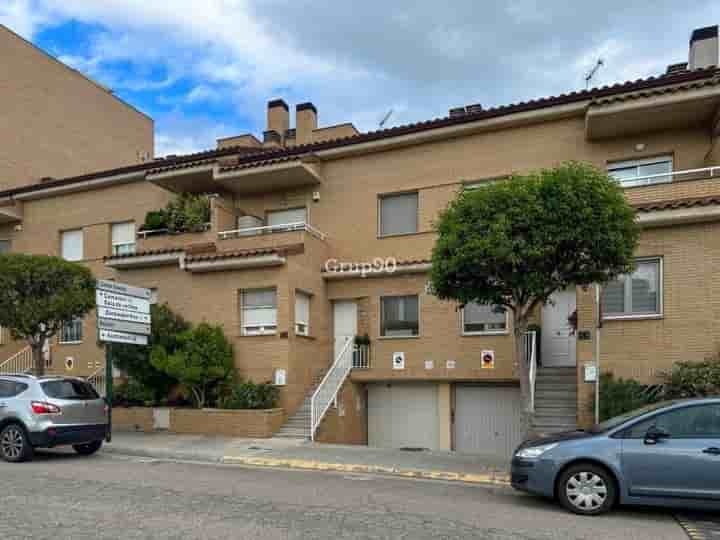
(21, 17)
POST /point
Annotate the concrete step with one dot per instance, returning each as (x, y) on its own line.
(553, 420)
(299, 434)
(555, 387)
(555, 411)
(541, 393)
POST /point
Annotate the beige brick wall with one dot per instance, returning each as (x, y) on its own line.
(260, 424)
(346, 424)
(58, 123)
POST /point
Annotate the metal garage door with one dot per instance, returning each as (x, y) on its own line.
(488, 420)
(403, 415)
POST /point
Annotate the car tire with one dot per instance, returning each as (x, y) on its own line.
(15, 444)
(587, 489)
(88, 449)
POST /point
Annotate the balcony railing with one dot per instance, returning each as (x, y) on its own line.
(160, 232)
(273, 229)
(667, 177)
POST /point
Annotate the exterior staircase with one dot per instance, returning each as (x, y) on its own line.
(20, 362)
(298, 426)
(555, 400)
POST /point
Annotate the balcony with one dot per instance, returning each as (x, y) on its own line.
(159, 239)
(269, 236)
(10, 212)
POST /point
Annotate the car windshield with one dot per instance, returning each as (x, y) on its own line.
(69, 389)
(621, 419)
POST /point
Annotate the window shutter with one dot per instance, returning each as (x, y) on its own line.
(399, 214)
(302, 308)
(123, 233)
(72, 245)
(284, 217)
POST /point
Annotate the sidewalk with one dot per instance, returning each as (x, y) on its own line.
(304, 455)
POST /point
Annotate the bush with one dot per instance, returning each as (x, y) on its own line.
(618, 396)
(694, 379)
(155, 220)
(133, 394)
(249, 395)
(186, 213)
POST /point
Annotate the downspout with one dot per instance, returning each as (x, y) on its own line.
(598, 328)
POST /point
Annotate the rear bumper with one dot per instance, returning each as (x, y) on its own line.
(67, 435)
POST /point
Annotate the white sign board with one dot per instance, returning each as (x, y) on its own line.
(590, 372)
(121, 315)
(398, 360)
(122, 337)
(123, 289)
(123, 326)
(121, 301)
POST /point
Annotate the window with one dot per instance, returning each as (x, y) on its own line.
(398, 214)
(286, 217)
(123, 238)
(70, 389)
(9, 389)
(302, 313)
(483, 319)
(72, 245)
(153, 296)
(635, 295)
(5, 246)
(71, 332)
(698, 422)
(399, 316)
(259, 312)
(633, 172)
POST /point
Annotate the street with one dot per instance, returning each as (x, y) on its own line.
(63, 496)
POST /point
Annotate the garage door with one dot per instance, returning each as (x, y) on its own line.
(488, 420)
(403, 416)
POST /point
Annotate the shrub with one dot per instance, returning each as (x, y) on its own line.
(618, 396)
(187, 212)
(155, 220)
(249, 395)
(694, 379)
(133, 394)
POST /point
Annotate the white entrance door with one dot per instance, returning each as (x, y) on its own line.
(558, 337)
(344, 323)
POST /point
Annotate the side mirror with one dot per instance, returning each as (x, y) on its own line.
(655, 434)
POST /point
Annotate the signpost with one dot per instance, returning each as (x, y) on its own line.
(123, 316)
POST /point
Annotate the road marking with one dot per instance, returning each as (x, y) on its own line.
(700, 526)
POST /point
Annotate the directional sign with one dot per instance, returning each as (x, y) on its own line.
(121, 315)
(122, 288)
(120, 301)
(122, 337)
(123, 326)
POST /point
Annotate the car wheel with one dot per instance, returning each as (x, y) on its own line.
(587, 490)
(14, 444)
(88, 449)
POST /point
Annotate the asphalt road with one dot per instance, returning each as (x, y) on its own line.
(63, 496)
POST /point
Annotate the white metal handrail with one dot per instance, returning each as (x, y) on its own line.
(328, 389)
(531, 358)
(153, 232)
(270, 229)
(711, 172)
(20, 362)
(98, 381)
(361, 357)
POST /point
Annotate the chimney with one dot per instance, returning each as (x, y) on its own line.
(278, 116)
(305, 122)
(704, 48)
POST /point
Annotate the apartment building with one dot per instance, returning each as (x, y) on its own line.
(316, 258)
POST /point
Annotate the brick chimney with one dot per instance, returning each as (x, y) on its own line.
(306, 121)
(278, 119)
(704, 48)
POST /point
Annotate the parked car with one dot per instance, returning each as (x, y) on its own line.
(46, 412)
(666, 454)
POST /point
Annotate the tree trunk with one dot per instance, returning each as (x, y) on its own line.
(520, 328)
(38, 359)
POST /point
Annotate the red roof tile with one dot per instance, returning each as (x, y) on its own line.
(677, 203)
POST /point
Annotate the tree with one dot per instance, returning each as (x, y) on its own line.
(202, 362)
(38, 293)
(134, 360)
(514, 243)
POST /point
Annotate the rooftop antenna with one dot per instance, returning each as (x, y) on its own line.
(591, 74)
(386, 118)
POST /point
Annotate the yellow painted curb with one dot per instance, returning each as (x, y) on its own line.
(493, 479)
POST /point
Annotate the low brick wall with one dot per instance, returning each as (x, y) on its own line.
(133, 419)
(260, 424)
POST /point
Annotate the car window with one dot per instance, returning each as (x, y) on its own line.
(697, 422)
(10, 389)
(69, 389)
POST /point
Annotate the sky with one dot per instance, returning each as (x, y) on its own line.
(205, 69)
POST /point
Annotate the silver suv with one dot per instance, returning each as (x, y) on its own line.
(45, 412)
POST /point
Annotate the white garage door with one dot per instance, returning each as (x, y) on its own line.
(488, 420)
(403, 416)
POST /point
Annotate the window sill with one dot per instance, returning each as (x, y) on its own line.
(270, 334)
(69, 342)
(398, 337)
(306, 336)
(400, 235)
(650, 316)
(490, 333)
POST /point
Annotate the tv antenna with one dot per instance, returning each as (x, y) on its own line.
(591, 74)
(386, 118)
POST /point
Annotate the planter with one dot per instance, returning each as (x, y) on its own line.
(260, 424)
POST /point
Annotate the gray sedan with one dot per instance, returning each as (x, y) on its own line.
(666, 454)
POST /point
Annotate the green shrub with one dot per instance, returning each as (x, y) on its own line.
(155, 220)
(618, 396)
(187, 212)
(133, 393)
(249, 395)
(694, 379)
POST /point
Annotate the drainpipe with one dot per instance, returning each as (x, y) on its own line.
(598, 328)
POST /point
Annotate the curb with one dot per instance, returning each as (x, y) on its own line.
(496, 479)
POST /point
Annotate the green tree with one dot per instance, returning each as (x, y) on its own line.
(134, 360)
(38, 294)
(203, 361)
(514, 243)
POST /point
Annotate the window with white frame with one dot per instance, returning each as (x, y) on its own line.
(287, 217)
(635, 295)
(398, 214)
(72, 245)
(302, 313)
(399, 316)
(642, 172)
(153, 295)
(5, 246)
(483, 319)
(71, 331)
(123, 238)
(259, 311)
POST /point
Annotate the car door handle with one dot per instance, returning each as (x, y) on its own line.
(712, 451)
